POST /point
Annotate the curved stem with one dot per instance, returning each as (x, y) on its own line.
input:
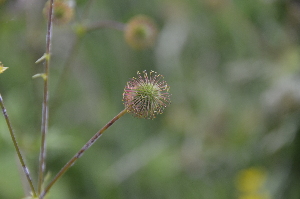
(81, 151)
(45, 111)
(75, 47)
(87, 8)
(106, 24)
(66, 69)
(24, 167)
(70, 59)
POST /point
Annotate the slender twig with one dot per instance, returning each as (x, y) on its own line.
(75, 47)
(87, 8)
(45, 111)
(81, 151)
(71, 57)
(106, 24)
(66, 69)
(24, 167)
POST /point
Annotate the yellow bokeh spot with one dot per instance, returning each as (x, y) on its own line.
(250, 180)
(255, 196)
(80, 30)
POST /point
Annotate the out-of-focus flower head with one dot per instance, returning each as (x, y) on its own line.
(147, 95)
(251, 184)
(63, 11)
(1, 2)
(141, 32)
(251, 179)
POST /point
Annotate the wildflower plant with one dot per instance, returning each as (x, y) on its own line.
(145, 96)
(149, 98)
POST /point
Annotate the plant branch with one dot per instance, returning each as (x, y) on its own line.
(66, 69)
(81, 151)
(75, 47)
(24, 167)
(45, 111)
(106, 24)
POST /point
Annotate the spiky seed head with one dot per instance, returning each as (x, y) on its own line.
(141, 32)
(146, 96)
(63, 11)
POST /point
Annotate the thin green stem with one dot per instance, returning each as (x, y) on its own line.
(74, 50)
(70, 59)
(106, 24)
(24, 167)
(45, 111)
(66, 69)
(81, 151)
(87, 8)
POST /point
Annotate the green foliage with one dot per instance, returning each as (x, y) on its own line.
(233, 67)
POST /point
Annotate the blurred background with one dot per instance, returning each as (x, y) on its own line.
(232, 130)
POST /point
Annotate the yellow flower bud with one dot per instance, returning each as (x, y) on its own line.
(2, 68)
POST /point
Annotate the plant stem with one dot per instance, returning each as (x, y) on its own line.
(106, 24)
(45, 111)
(81, 151)
(66, 69)
(75, 47)
(24, 167)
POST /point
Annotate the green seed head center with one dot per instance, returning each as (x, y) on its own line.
(141, 32)
(148, 90)
(59, 12)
